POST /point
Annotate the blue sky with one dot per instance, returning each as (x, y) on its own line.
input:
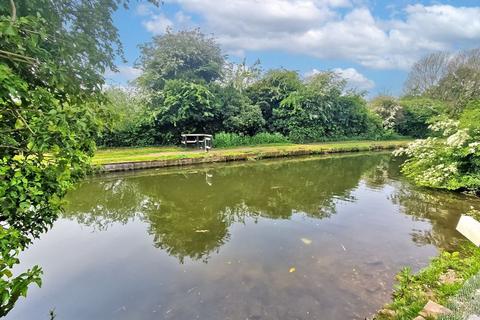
(370, 43)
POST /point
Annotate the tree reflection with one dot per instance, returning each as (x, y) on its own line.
(441, 209)
(189, 211)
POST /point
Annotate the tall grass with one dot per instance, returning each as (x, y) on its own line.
(225, 140)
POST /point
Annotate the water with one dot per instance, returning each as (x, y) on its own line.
(312, 238)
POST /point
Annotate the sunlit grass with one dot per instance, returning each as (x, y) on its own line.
(117, 155)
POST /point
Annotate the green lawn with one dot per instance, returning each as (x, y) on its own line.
(117, 155)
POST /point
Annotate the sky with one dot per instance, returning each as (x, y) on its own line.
(371, 43)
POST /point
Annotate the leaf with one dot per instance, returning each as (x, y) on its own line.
(292, 269)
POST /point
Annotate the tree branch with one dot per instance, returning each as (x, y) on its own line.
(14, 11)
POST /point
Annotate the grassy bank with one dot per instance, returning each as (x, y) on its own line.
(122, 155)
(440, 281)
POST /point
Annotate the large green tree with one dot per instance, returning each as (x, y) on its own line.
(271, 89)
(322, 110)
(186, 107)
(53, 57)
(185, 55)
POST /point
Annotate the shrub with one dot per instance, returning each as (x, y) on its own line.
(416, 114)
(450, 162)
(223, 139)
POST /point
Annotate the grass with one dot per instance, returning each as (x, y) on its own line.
(119, 155)
(228, 140)
(413, 291)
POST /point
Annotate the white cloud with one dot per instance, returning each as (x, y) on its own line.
(158, 23)
(125, 73)
(354, 78)
(144, 9)
(317, 28)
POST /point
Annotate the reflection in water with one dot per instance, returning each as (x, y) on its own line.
(189, 214)
(225, 237)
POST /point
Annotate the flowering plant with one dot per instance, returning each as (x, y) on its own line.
(449, 161)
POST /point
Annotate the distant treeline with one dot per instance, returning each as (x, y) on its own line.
(188, 86)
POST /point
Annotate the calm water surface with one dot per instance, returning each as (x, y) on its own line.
(315, 238)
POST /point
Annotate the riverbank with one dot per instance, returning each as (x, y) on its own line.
(124, 159)
(447, 279)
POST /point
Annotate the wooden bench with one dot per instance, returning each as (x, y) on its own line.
(197, 140)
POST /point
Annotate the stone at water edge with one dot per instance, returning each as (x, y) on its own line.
(473, 317)
(433, 309)
(419, 318)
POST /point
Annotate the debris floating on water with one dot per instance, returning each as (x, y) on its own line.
(292, 269)
(202, 231)
(306, 241)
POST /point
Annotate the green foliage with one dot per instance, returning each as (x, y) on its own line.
(52, 61)
(389, 110)
(271, 90)
(132, 122)
(236, 113)
(413, 291)
(451, 162)
(224, 140)
(465, 302)
(416, 114)
(184, 55)
(470, 118)
(186, 92)
(11, 288)
(453, 78)
(320, 111)
(241, 76)
(186, 108)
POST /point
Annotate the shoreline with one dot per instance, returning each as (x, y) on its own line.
(245, 154)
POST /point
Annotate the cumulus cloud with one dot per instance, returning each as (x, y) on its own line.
(355, 80)
(125, 73)
(158, 23)
(144, 9)
(321, 29)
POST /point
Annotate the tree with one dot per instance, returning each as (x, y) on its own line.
(132, 122)
(449, 162)
(271, 89)
(186, 108)
(237, 113)
(321, 110)
(389, 110)
(184, 55)
(462, 83)
(52, 61)
(427, 72)
(241, 76)
(327, 83)
(416, 115)
(452, 78)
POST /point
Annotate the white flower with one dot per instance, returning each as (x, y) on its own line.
(458, 139)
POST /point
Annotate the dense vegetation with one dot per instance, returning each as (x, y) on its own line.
(187, 86)
(54, 106)
(450, 158)
(52, 62)
(444, 277)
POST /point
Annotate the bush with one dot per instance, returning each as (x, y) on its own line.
(224, 140)
(450, 162)
(416, 113)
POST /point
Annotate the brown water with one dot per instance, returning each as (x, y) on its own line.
(315, 238)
